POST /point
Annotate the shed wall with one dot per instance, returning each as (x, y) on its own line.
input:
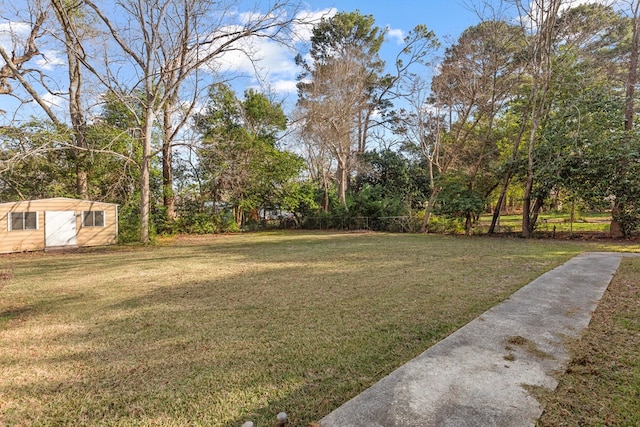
(32, 240)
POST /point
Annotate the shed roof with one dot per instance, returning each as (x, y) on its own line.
(61, 199)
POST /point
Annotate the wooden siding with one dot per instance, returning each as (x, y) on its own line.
(33, 240)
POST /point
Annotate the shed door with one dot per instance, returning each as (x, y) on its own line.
(60, 228)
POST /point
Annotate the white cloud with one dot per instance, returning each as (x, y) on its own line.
(305, 21)
(50, 59)
(284, 86)
(13, 34)
(249, 17)
(396, 34)
(236, 60)
(263, 59)
(54, 101)
(197, 108)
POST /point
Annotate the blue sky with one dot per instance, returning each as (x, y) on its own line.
(444, 17)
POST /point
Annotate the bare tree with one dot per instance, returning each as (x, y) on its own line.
(422, 124)
(73, 38)
(472, 87)
(332, 121)
(15, 64)
(166, 42)
(64, 21)
(335, 89)
(318, 159)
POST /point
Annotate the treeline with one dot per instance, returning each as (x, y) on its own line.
(525, 112)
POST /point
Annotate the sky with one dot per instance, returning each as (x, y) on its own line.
(447, 18)
(444, 17)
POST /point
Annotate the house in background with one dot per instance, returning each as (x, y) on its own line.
(60, 222)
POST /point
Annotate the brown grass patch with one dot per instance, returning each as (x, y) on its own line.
(602, 382)
(528, 345)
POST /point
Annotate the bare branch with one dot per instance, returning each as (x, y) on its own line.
(28, 87)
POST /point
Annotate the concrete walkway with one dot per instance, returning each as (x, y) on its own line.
(478, 376)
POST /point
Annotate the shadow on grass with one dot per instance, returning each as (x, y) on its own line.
(14, 311)
(208, 353)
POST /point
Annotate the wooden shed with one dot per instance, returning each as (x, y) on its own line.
(56, 223)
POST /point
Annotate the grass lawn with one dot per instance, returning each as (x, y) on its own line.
(220, 329)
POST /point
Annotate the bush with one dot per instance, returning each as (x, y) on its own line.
(629, 218)
(129, 222)
(206, 223)
(163, 224)
(198, 223)
(443, 224)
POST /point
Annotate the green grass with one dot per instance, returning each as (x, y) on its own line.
(217, 330)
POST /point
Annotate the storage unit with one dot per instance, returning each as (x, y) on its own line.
(56, 223)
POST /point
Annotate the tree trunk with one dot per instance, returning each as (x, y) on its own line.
(541, 51)
(526, 205)
(79, 133)
(238, 215)
(615, 228)
(534, 213)
(75, 54)
(506, 180)
(78, 123)
(342, 182)
(526, 208)
(167, 183)
(145, 167)
(167, 167)
(468, 224)
(427, 212)
(325, 188)
(82, 186)
(497, 212)
(145, 199)
(79, 127)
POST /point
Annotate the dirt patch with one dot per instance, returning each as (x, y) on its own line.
(527, 345)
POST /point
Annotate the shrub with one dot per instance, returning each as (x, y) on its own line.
(198, 223)
(443, 224)
(129, 222)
